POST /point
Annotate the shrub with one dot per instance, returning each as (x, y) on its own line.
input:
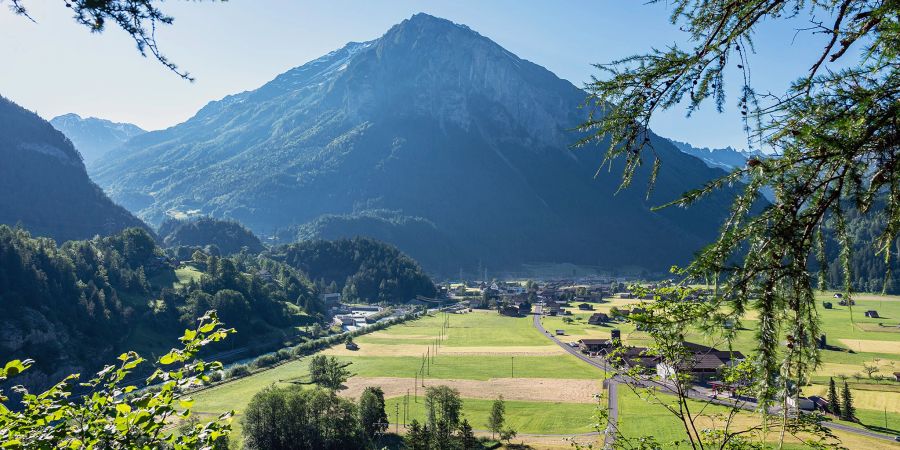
(238, 371)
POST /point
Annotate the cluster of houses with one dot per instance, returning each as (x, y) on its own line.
(702, 362)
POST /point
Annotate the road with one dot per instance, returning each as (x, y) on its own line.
(612, 387)
(611, 384)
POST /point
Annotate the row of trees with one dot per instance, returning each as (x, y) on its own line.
(842, 408)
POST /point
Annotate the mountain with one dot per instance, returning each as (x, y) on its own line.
(467, 145)
(92, 136)
(44, 185)
(227, 236)
(722, 158)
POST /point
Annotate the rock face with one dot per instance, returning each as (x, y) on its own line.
(94, 137)
(44, 185)
(431, 126)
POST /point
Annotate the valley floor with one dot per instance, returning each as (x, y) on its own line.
(551, 396)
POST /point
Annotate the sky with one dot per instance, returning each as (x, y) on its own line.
(54, 66)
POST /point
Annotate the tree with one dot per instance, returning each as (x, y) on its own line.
(372, 416)
(417, 436)
(291, 417)
(467, 436)
(834, 406)
(508, 435)
(442, 405)
(832, 135)
(870, 369)
(114, 414)
(848, 412)
(496, 419)
(328, 372)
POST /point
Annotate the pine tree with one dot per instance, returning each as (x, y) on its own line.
(467, 436)
(847, 410)
(834, 406)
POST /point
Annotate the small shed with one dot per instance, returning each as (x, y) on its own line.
(827, 305)
(351, 346)
(585, 307)
(560, 332)
(872, 314)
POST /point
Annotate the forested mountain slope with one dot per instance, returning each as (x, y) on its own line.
(44, 185)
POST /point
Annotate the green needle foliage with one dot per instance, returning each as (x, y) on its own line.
(833, 136)
(114, 414)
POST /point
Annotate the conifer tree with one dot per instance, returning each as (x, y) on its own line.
(847, 409)
(834, 406)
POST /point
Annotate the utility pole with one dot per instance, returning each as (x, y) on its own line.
(397, 416)
(512, 367)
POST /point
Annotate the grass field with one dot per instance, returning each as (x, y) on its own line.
(476, 329)
(473, 349)
(525, 417)
(638, 417)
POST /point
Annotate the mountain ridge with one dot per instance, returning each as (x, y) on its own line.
(431, 114)
(93, 136)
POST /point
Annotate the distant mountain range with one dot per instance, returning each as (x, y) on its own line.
(431, 137)
(722, 158)
(92, 136)
(43, 183)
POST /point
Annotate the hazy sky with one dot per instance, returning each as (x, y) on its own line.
(55, 66)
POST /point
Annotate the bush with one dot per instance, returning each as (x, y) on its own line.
(216, 376)
(283, 354)
(264, 361)
(238, 371)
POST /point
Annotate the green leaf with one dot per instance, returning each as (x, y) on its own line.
(169, 358)
(208, 327)
(14, 367)
(123, 408)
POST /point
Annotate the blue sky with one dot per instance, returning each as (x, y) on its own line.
(55, 67)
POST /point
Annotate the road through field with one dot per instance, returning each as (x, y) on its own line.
(612, 384)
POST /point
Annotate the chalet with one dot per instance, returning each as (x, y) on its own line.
(552, 310)
(703, 362)
(585, 307)
(524, 308)
(625, 295)
(598, 319)
(872, 314)
(594, 345)
(819, 403)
